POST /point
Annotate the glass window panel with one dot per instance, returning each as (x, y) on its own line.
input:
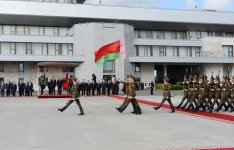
(1, 29)
(51, 49)
(34, 31)
(42, 31)
(49, 31)
(13, 30)
(5, 48)
(6, 29)
(36, 48)
(169, 51)
(20, 30)
(27, 30)
(64, 49)
(183, 51)
(63, 31)
(21, 48)
(45, 49)
(155, 50)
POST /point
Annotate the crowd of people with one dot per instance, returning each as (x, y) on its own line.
(203, 93)
(10, 88)
(88, 88)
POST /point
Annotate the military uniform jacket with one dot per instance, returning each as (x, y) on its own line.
(185, 87)
(226, 88)
(203, 89)
(232, 89)
(130, 89)
(166, 90)
(74, 91)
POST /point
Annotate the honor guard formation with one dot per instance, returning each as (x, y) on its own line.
(207, 94)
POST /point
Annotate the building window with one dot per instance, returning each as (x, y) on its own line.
(13, 47)
(218, 33)
(29, 48)
(1, 67)
(68, 69)
(21, 67)
(137, 67)
(43, 69)
(197, 52)
(109, 67)
(162, 51)
(228, 34)
(210, 34)
(228, 51)
(21, 79)
(70, 49)
(1, 29)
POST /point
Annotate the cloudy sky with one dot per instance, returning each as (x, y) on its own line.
(221, 5)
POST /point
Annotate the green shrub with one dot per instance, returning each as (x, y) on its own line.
(177, 86)
(159, 86)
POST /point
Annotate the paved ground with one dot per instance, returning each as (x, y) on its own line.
(35, 124)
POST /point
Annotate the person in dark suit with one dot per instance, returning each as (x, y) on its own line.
(23, 88)
(93, 88)
(31, 90)
(88, 88)
(20, 87)
(151, 88)
(82, 87)
(27, 88)
(103, 87)
(50, 87)
(2, 88)
(99, 86)
(42, 85)
(14, 88)
(59, 85)
(53, 85)
(8, 88)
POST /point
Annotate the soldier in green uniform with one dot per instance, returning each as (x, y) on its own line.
(75, 97)
(166, 96)
(217, 92)
(190, 91)
(225, 93)
(185, 87)
(203, 93)
(194, 95)
(211, 86)
(231, 102)
(131, 94)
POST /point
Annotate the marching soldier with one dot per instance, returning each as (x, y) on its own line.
(232, 96)
(131, 94)
(75, 97)
(166, 96)
(190, 91)
(217, 92)
(185, 97)
(211, 90)
(202, 95)
(225, 93)
(194, 95)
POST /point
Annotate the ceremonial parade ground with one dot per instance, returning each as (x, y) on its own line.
(36, 124)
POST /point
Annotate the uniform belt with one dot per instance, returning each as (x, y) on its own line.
(212, 89)
(185, 89)
(195, 89)
(202, 89)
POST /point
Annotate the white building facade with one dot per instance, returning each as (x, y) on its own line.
(159, 42)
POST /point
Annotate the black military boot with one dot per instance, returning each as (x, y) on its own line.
(121, 109)
(231, 107)
(80, 107)
(65, 107)
(156, 108)
(138, 110)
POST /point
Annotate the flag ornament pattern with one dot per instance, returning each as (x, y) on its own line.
(65, 85)
(115, 50)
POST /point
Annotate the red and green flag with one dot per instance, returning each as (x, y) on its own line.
(115, 50)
